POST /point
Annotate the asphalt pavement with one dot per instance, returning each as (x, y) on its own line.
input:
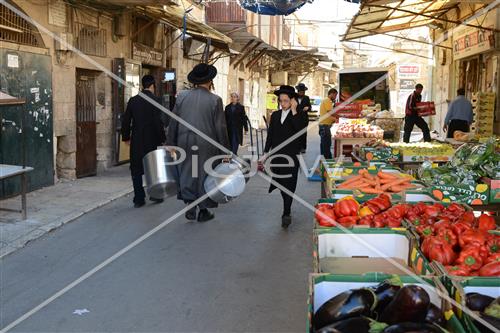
(240, 272)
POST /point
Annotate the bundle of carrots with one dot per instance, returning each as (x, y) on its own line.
(376, 184)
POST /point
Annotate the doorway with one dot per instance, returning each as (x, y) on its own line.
(86, 143)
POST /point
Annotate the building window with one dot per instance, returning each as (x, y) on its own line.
(145, 32)
(89, 39)
(15, 29)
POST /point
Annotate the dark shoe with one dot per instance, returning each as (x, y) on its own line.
(191, 214)
(205, 215)
(286, 220)
(156, 201)
(139, 204)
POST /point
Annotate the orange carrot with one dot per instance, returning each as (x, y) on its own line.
(352, 179)
(393, 183)
(382, 174)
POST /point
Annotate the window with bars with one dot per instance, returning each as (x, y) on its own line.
(89, 39)
(15, 29)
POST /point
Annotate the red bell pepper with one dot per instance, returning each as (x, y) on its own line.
(347, 206)
(472, 237)
(397, 212)
(348, 221)
(393, 222)
(366, 220)
(468, 217)
(470, 257)
(448, 235)
(433, 210)
(486, 222)
(491, 269)
(441, 251)
(325, 216)
(495, 257)
(493, 244)
(454, 207)
(441, 224)
(424, 230)
(379, 221)
(379, 204)
(458, 270)
(460, 227)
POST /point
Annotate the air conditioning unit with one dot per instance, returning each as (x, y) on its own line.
(63, 42)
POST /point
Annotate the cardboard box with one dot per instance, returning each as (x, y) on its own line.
(494, 185)
(363, 250)
(352, 110)
(323, 287)
(478, 195)
(380, 154)
(426, 109)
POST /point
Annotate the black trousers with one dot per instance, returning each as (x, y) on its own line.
(326, 141)
(410, 122)
(457, 125)
(139, 194)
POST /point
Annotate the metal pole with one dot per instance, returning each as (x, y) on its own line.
(251, 139)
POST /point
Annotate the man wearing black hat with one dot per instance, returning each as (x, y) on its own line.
(285, 123)
(204, 111)
(303, 108)
(143, 130)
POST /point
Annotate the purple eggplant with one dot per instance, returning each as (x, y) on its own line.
(477, 302)
(435, 316)
(351, 303)
(385, 294)
(409, 305)
(495, 322)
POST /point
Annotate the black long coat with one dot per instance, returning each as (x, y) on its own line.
(236, 121)
(306, 102)
(142, 124)
(278, 133)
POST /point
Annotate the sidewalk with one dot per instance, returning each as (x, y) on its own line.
(53, 206)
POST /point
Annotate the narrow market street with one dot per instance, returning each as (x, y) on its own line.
(238, 273)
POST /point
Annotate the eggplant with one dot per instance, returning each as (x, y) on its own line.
(413, 328)
(495, 322)
(385, 294)
(477, 302)
(355, 324)
(435, 316)
(409, 305)
(351, 303)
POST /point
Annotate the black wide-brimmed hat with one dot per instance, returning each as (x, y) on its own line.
(202, 73)
(301, 87)
(289, 90)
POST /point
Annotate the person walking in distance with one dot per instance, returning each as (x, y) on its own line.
(303, 108)
(327, 118)
(143, 130)
(459, 116)
(284, 123)
(204, 111)
(412, 118)
(236, 120)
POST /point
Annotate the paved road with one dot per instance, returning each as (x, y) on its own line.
(238, 273)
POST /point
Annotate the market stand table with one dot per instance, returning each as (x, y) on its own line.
(9, 171)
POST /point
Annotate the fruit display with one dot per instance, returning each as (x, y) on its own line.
(457, 239)
(389, 307)
(469, 163)
(353, 130)
(423, 151)
(378, 183)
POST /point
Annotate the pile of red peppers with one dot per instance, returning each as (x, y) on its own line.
(450, 235)
(457, 239)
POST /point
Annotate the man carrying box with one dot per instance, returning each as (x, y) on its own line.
(412, 118)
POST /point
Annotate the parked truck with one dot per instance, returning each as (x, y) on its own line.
(354, 80)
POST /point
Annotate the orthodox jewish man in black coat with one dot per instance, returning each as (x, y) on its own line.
(283, 125)
(303, 108)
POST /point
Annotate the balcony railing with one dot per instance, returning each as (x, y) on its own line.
(220, 12)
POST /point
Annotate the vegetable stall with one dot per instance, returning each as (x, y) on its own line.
(399, 252)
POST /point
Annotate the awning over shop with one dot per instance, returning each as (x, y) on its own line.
(383, 16)
(174, 16)
(296, 61)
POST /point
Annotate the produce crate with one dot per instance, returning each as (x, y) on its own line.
(478, 195)
(380, 154)
(426, 109)
(458, 287)
(363, 250)
(494, 185)
(322, 287)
